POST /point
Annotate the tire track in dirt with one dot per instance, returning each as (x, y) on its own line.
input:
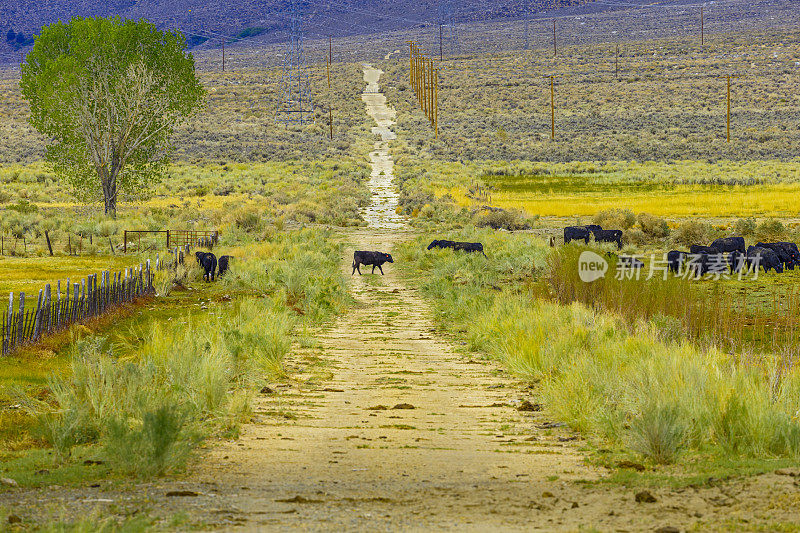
(406, 434)
(385, 425)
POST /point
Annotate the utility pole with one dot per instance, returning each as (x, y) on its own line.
(411, 63)
(552, 108)
(728, 126)
(441, 45)
(330, 60)
(702, 27)
(436, 114)
(729, 108)
(525, 14)
(295, 105)
(555, 46)
(431, 111)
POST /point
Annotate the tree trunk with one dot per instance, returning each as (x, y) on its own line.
(109, 184)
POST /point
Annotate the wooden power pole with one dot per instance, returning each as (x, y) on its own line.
(552, 108)
(702, 27)
(436, 113)
(728, 122)
(330, 94)
(441, 46)
(729, 109)
(555, 45)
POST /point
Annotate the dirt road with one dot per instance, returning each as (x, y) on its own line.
(385, 425)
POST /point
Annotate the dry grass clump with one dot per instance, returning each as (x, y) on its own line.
(626, 377)
(692, 232)
(510, 220)
(615, 219)
(653, 226)
(147, 402)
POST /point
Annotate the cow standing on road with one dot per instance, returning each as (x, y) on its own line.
(376, 259)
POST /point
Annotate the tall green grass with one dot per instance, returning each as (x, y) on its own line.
(619, 383)
(146, 403)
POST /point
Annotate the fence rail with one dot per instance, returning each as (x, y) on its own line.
(173, 238)
(79, 302)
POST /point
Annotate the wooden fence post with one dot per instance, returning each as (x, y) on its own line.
(58, 309)
(76, 288)
(9, 320)
(49, 246)
(21, 319)
(37, 318)
(149, 277)
(48, 315)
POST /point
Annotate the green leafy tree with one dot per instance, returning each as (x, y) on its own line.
(109, 93)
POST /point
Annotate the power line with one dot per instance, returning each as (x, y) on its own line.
(296, 106)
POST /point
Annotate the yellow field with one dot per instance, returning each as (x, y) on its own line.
(682, 201)
(668, 189)
(29, 274)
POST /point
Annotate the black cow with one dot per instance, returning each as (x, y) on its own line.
(736, 261)
(792, 248)
(441, 244)
(729, 244)
(463, 246)
(469, 247)
(764, 258)
(697, 249)
(576, 233)
(223, 264)
(208, 261)
(608, 235)
(376, 259)
(676, 259)
(698, 263)
(785, 253)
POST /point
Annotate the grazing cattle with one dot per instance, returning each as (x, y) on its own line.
(223, 264)
(792, 248)
(736, 261)
(696, 249)
(441, 244)
(593, 227)
(784, 251)
(576, 233)
(208, 262)
(676, 260)
(469, 247)
(608, 235)
(715, 263)
(376, 259)
(698, 263)
(729, 244)
(764, 258)
(463, 246)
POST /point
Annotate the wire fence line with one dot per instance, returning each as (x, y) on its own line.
(23, 324)
(92, 297)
